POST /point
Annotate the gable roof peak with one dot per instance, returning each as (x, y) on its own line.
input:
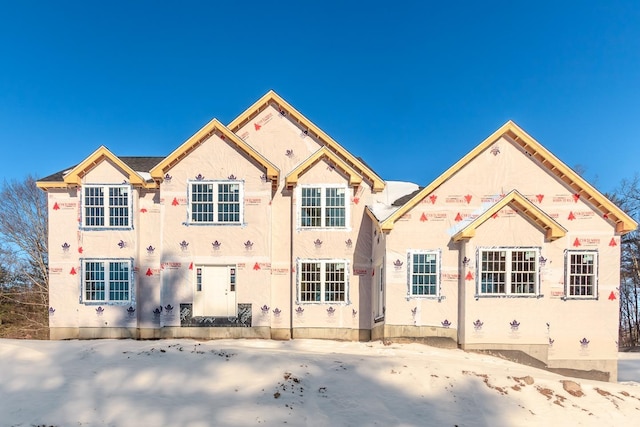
(377, 183)
(214, 125)
(75, 175)
(623, 222)
(553, 230)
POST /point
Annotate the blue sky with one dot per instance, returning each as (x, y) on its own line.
(409, 86)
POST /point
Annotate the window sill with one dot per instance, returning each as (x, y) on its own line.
(106, 228)
(340, 303)
(536, 296)
(214, 224)
(324, 228)
(427, 297)
(109, 303)
(579, 298)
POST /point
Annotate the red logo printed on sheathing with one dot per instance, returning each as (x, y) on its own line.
(191, 266)
(613, 242)
(495, 215)
(605, 216)
(576, 242)
(257, 126)
(80, 250)
(469, 276)
(612, 296)
(56, 206)
(539, 197)
(468, 198)
(175, 202)
(256, 266)
(576, 197)
(222, 137)
(433, 199)
(423, 217)
(149, 272)
(73, 271)
(356, 200)
(458, 217)
(143, 210)
(571, 216)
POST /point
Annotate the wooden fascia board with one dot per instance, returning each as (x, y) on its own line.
(545, 157)
(388, 223)
(552, 229)
(377, 183)
(74, 177)
(571, 178)
(47, 185)
(157, 173)
(354, 176)
(271, 171)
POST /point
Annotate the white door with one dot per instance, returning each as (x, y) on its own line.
(215, 291)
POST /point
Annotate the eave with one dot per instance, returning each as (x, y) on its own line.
(551, 228)
(377, 184)
(47, 185)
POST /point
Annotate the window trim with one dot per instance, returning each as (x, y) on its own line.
(508, 294)
(216, 203)
(567, 274)
(106, 206)
(323, 200)
(438, 274)
(107, 301)
(324, 262)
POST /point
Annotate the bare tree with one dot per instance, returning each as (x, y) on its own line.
(627, 196)
(23, 250)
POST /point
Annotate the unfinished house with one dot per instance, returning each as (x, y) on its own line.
(268, 228)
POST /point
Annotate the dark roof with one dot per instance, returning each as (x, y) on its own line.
(365, 163)
(138, 164)
(404, 199)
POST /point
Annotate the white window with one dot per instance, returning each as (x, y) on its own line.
(581, 275)
(215, 202)
(323, 206)
(106, 280)
(106, 206)
(424, 273)
(508, 271)
(323, 281)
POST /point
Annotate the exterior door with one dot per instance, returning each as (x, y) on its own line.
(378, 293)
(215, 291)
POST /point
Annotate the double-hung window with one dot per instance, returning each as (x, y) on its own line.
(508, 271)
(215, 202)
(106, 281)
(581, 275)
(106, 206)
(424, 273)
(323, 207)
(323, 281)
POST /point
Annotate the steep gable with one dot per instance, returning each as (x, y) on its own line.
(207, 131)
(129, 166)
(552, 229)
(544, 158)
(355, 179)
(271, 97)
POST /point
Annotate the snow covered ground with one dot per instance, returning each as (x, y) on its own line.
(299, 382)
